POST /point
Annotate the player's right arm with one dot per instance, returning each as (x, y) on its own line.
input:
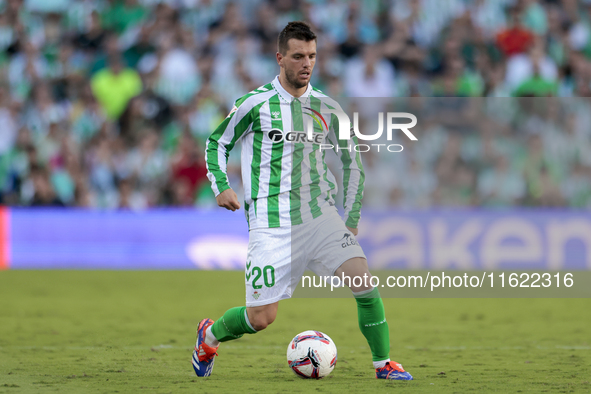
(217, 151)
(228, 199)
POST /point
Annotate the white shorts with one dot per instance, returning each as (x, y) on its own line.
(278, 257)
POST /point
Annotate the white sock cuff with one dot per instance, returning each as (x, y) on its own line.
(380, 364)
(210, 339)
(362, 293)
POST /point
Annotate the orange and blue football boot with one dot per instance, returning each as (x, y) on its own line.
(203, 355)
(392, 371)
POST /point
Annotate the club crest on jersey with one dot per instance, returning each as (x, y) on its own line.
(256, 295)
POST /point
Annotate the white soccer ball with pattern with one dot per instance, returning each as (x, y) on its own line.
(311, 354)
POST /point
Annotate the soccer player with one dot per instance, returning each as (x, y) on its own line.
(289, 203)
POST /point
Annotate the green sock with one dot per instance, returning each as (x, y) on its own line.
(373, 325)
(232, 325)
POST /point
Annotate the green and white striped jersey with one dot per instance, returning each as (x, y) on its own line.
(285, 176)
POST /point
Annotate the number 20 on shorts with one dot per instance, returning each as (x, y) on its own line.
(267, 273)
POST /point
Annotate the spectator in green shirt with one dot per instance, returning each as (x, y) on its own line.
(124, 14)
(536, 85)
(114, 86)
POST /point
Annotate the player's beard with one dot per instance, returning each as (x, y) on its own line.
(292, 79)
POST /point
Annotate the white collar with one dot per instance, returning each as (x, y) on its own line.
(285, 95)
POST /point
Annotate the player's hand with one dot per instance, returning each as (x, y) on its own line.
(228, 199)
(354, 231)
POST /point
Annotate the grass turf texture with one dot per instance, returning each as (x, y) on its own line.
(133, 332)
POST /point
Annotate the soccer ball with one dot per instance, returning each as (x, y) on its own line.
(311, 354)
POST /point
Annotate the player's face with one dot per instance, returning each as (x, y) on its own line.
(298, 62)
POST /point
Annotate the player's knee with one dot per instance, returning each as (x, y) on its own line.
(261, 320)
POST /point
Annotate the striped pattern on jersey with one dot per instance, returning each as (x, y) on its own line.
(286, 179)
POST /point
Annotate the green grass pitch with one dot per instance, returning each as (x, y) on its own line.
(133, 332)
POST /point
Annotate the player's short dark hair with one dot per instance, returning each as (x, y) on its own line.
(298, 30)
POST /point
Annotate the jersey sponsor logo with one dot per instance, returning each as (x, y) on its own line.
(277, 136)
(276, 115)
(348, 240)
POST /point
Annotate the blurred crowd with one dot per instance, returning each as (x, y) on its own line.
(108, 103)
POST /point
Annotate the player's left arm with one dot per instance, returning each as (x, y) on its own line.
(353, 175)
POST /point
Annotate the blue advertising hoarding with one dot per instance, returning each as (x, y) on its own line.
(218, 239)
